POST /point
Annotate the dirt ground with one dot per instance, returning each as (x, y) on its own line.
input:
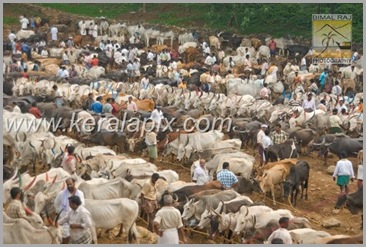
(322, 195)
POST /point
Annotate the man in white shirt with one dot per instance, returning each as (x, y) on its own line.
(54, 32)
(12, 36)
(303, 64)
(62, 203)
(336, 90)
(282, 232)
(208, 60)
(145, 82)
(343, 173)
(157, 115)
(264, 93)
(264, 67)
(309, 104)
(150, 56)
(131, 106)
(260, 136)
(79, 220)
(341, 106)
(24, 22)
(200, 174)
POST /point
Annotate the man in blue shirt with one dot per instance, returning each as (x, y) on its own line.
(97, 106)
(322, 79)
(227, 178)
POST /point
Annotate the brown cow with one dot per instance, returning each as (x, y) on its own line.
(190, 54)
(287, 163)
(256, 43)
(186, 191)
(272, 177)
(145, 104)
(77, 40)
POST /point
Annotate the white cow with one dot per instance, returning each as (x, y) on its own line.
(107, 214)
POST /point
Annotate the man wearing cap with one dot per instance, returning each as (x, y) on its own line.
(335, 122)
(148, 199)
(309, 105)
(167, 220)
(282, 232)
(79, 220)
(260, 136)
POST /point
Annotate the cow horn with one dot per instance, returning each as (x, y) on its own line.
(319, 144)
(30, 184)
(176, 200)
(30, 144)
(181, 92)
(246, 212)
(222, 208)
(58, 216)
(187, 199)
(189, 97)
(201, 94)
(15, 174)
(254, 221)
(46, 176)
(219, 215)
(167, 90)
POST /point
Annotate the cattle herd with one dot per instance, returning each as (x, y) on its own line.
(215, 122)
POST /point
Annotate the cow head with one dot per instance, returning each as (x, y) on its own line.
(189, 209)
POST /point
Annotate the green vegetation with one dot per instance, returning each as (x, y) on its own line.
(109, 10)
(246, 18)
(8, 20)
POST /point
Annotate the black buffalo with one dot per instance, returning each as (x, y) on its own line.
(353, 202)
(298, 177)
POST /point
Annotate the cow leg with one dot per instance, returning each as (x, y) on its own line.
(120, 231)
(273, 196)
(295, 199)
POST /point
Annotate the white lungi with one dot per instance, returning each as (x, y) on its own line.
(170, 236)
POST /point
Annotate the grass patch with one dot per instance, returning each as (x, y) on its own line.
(8, 20)
(110, 10)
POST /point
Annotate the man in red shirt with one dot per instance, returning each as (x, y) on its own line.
(35, 111)
(94, 61)
(272, 46)
(114, 106)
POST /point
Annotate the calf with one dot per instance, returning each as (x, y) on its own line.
(299, 176)
(274, 176)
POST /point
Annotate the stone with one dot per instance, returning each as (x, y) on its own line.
(330, 170)
(331, 222)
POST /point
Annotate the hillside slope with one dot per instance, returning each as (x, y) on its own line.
(278, 20)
